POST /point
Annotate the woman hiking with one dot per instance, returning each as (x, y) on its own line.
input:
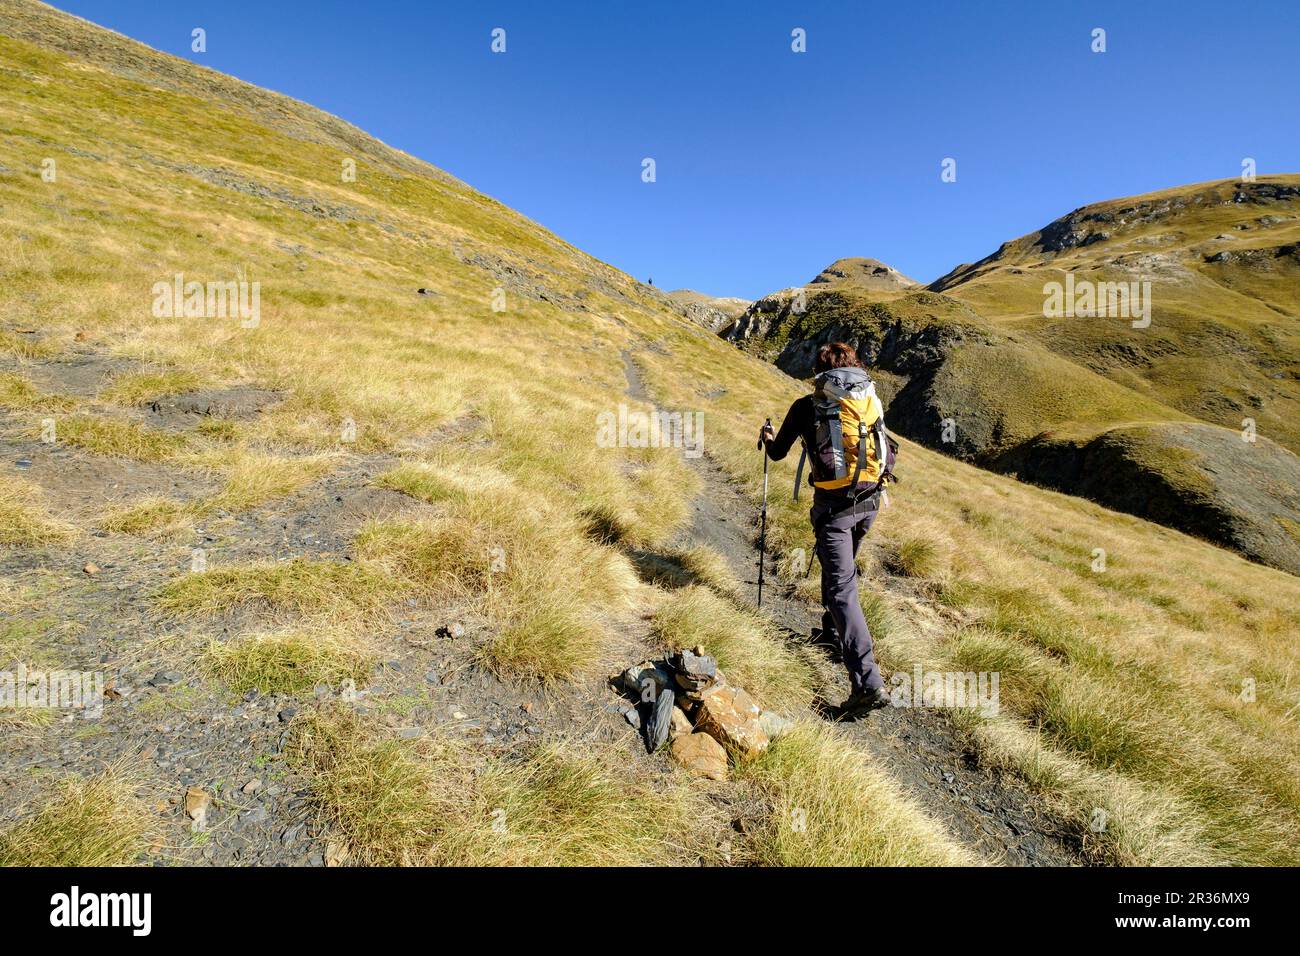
(850, 456)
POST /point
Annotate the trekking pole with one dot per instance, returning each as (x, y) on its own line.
(762, 533)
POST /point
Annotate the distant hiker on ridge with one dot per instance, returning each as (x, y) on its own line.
(851, 457)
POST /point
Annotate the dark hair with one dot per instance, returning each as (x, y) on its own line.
(836, 355)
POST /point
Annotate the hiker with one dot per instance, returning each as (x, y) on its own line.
(842, 428)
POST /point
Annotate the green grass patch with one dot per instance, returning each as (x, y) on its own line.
(91, 822)
(289, 663)
(133, 389)
(299, 586)
(555, 640)
(116, 438)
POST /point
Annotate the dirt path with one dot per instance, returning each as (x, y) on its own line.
(993, 814)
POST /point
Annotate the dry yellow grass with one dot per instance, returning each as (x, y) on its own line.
(118, 438)
(435, 802)
(140, 388)
(291, 662)
(556, 639)
(26, 346)
(457, 481)
(827, 807)
(697, 564)
(161, 518)
(91, 822)
(17, 393)
(293, 588)
(25, 520)
(252, 478)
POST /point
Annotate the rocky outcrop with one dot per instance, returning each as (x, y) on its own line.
(1202, 479)
(905, 336)
(1289, 254)
(685, 701)
(713, 313)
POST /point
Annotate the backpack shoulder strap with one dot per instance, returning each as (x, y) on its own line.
(862, 454)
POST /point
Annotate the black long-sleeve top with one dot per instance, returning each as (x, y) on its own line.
(800, 422)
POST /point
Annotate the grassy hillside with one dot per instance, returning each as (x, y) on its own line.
(386, 487)
(976, 369)
(1224, 262)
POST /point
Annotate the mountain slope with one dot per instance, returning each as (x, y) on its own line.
(1223, 260)
(976, 369)
(357, 571)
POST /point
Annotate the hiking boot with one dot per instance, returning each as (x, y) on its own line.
(820, 636)
(863, 702)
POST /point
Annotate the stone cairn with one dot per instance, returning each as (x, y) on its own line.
(685, 701)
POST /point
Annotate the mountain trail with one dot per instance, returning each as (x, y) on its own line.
(179, 728)
(994, 814)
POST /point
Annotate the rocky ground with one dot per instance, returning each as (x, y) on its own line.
(192, 741)
(172, 724)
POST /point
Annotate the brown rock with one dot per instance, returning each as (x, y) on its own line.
(197, 802)
(680, 726)
(730, 716)
(701, 755)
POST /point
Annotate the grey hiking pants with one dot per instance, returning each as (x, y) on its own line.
(837, 546)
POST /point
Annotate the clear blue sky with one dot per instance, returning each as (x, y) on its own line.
(771, 164)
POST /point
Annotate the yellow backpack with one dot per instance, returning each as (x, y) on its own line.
(852, 443)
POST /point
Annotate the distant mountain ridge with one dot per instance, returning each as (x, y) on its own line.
(713, 312)
(862, 273)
